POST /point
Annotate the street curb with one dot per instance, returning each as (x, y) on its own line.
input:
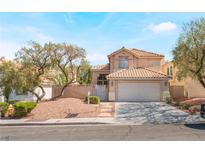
(53, 124)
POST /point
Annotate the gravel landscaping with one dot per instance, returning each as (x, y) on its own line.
(153, 113)
(70, 108)
(63, 108)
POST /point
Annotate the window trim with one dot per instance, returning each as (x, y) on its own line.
(123, 59)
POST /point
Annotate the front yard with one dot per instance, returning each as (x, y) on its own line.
(69, 108)
(191, 106)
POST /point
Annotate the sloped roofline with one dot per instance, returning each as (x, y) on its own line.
(133, 52)
(119, 50)
(162, 75)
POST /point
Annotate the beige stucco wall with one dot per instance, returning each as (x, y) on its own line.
(75, 91)
(133, 61)
(114, 59)
(192, 88)
(113, 87)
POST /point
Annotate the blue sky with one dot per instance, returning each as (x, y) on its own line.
(99, 33)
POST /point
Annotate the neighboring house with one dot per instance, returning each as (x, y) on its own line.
(27, 96)
(185, 88)
(131, 75)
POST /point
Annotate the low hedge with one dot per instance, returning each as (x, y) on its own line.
(93, 99)
(13, 101)
(4, 107)
(21, 109)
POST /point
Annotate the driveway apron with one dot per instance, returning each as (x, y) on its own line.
(153, 113)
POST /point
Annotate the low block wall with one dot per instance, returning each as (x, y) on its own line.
(74, 91)
(177, 91)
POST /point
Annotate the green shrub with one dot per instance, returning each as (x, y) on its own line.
(168, 100)
(4, 107)
(30, 106)
(13, 101)
(185, 106)
(93, 99)
(21, 109)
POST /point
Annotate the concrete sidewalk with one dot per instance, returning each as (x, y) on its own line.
(69, 121)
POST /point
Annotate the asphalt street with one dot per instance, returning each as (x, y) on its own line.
(105, 132)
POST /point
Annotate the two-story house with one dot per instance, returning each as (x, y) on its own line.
(131, 75)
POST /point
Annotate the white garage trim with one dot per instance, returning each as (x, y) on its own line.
(138, 91)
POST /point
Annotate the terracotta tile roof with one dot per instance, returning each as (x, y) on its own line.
(101, 67)
(137, 73)
(142, 53)
(138, 52)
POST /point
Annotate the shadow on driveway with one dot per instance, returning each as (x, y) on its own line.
(196, 126)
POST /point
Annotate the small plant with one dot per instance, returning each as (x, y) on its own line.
(176, 103)
(194, 109)
(168, 100)
(23, 108)
(185, 106)
(3, 108)
(93, 99)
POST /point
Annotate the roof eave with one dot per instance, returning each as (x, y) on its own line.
(125, 78)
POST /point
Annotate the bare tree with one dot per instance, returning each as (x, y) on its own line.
(66, 59)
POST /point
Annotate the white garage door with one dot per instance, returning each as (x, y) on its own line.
(138, 92)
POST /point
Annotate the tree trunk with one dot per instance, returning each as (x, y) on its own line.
(7, 98)
(39, 98)
(201, 80)
(62, 91)
(43, 92)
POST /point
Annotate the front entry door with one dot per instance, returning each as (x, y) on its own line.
(101, 91)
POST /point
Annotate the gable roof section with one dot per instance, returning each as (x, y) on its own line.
(137, 53)
(137, 73)
(142, 53)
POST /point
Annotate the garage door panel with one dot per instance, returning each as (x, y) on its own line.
(138, 91)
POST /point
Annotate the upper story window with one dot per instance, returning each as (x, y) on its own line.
(123, 62)
(170, 71)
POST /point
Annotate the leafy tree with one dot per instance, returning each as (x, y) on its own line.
(84, 73)
(35, 62)
(8, 73)
(189, 54)
(66, 59)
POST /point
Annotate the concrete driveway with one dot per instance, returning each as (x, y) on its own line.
(152, 113)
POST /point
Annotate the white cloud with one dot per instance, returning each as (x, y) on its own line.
(14, 38)
(8, 49)
(26, 33)
(162, 27)
(97, 58)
